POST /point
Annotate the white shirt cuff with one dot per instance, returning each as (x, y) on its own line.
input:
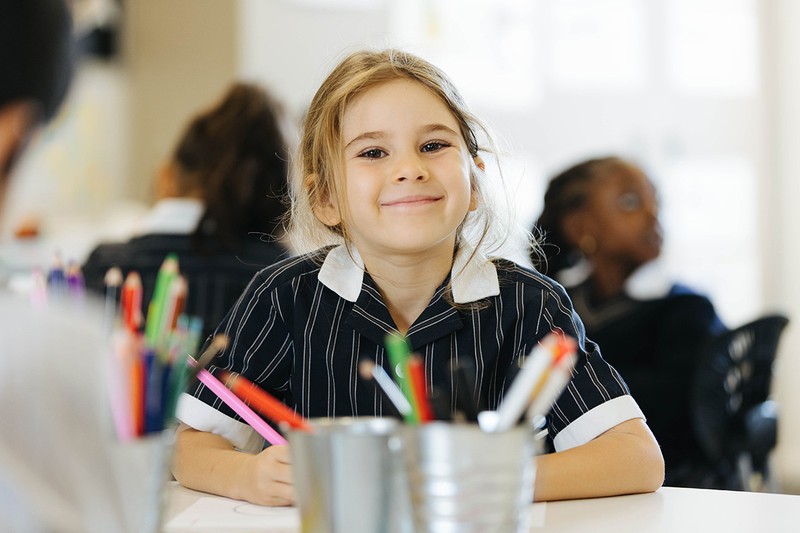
(203, 417)
(597, 421)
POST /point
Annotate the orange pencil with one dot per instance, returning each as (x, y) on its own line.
(262, 402)
(416, 369)
(135, 365)
(177, 301)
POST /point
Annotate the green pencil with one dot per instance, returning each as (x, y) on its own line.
(399, 353)
(155, 311)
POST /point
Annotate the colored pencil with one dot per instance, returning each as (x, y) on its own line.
(75, 282)
(57, 278)
(113, 284)
(217, 344)
(370, 371)
(416, 373)
(399, 352)
(263, 402)
(156, 308)
(239, 407)
(558, 379)
(527, 383)
(131, 301)
(39, 289)
(177, 301)
(465, 397)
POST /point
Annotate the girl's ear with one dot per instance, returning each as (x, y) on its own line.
(473, 199)
(324, 208)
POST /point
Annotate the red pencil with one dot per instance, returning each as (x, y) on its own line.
(131, 301)
(262, 402)
(416, 369)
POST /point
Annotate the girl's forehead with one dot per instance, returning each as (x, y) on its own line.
(390, 92)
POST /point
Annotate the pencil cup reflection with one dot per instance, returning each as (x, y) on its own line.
(347, 478)
(462, 479)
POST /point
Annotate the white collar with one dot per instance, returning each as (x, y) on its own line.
(343, 273)
(648, 282)
(173, 216)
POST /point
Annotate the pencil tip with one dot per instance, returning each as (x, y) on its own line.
(365, 368)
(113, 277)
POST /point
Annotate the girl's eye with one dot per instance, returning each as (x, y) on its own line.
(372, 153)
(433, 146)
(630, 201)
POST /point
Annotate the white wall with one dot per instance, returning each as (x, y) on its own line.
(783, 257)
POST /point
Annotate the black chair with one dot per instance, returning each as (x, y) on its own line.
(733, 417)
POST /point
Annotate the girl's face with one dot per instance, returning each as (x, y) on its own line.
(407, 172)
(621, 216)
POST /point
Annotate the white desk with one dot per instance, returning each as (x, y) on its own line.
(667, 510)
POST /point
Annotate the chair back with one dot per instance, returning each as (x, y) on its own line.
(732, 379)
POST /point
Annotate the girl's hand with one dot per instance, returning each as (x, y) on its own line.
(270, 477)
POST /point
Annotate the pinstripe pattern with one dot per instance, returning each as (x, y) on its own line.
(302, 342)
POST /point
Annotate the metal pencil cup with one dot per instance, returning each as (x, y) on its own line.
(145, 471)
(462, 479)
(348, 479)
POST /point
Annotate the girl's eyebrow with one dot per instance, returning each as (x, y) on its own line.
(366, 135)
(429, 128)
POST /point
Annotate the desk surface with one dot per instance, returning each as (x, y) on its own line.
(667, 510)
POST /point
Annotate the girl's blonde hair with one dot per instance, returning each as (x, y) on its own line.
(320, 164)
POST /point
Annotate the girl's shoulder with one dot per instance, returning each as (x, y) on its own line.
(291, 268)
(510, 273)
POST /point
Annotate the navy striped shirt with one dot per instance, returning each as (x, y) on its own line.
(302, 341)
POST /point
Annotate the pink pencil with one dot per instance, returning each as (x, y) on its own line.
(239, 407)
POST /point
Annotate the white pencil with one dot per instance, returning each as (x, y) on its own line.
(527, 382)
(557, 381)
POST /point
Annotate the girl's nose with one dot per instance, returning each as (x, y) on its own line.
(410, 167)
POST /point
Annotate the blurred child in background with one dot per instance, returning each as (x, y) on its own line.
(220, 206)
(602, 236)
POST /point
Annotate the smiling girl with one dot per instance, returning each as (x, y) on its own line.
(392, 184)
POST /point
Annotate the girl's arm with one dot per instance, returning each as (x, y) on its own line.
(626, 459)
(209, 463)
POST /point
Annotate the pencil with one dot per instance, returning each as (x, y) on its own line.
(217, 344)
(125, 347)
(526, 385)
(171, 310)
(465, 397)
(370, 371)
(416, 373)
(238, 406)
(177, 301)
(131, 301)
(398, 350)
(558, 379)
(75, 282)
(113, 283)
(264, 403)
(155, 310)
(57, 278)
(38, 289)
